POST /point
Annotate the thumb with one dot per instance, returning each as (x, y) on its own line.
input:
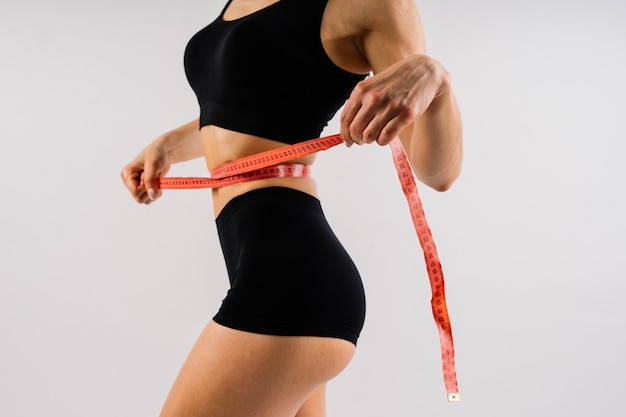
(150, 179)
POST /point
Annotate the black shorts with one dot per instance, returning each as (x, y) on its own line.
(289, 274)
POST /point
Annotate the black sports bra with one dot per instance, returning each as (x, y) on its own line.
(267, 73)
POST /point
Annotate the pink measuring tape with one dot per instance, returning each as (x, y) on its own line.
(269, 164)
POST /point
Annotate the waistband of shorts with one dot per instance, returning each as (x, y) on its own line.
(285, 194)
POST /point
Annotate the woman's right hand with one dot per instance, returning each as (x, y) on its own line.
(151, 163)
(178, 145)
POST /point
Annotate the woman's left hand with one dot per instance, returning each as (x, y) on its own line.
(381, 106)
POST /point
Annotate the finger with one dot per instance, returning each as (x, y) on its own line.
(350, 110)
(359, 125)
(150, 180)
(374, 128)
(393, 127)
(142, 197)
(374, 111)
(346, 118)
(131, 179)
(391, 130)
(361, 115)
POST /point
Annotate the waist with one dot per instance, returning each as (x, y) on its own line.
(221, 146)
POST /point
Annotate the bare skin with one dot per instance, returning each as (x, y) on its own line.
(232, 373)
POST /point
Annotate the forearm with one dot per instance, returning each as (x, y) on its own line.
(434, 143)
(183, 143)
(409, 96)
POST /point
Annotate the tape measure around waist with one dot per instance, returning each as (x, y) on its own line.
(274, 171)
(269, 165)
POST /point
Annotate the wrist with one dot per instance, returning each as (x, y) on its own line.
(444, 95)
(181, 144)
(169, 144)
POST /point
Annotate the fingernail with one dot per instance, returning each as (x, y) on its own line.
(152, 194)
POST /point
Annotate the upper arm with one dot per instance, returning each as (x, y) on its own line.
(408, 96)
(392, 32)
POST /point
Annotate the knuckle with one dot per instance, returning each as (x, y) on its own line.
(439, 73)
(357, 92)
(445, 75)
(375, 97)
(386, 136)
(401, 105)
(396, 105)
(405, 112)
(361, 88)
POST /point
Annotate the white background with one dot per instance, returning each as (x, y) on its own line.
(101, 298)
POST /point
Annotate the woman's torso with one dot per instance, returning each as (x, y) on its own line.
(223, 145)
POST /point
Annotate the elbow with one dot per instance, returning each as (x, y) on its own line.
(446, 185)
(443, 182)
(441, 186)
(444, 179)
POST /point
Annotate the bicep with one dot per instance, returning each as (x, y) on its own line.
(394, 33)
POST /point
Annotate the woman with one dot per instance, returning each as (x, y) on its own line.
(269, 73)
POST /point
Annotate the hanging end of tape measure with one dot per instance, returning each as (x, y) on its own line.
(453, 397)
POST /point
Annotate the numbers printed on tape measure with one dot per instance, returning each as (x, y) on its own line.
(275, 156)
(433, 267)
(275, 171)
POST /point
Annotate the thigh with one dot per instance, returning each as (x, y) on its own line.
(234, 373)
(315, 405)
